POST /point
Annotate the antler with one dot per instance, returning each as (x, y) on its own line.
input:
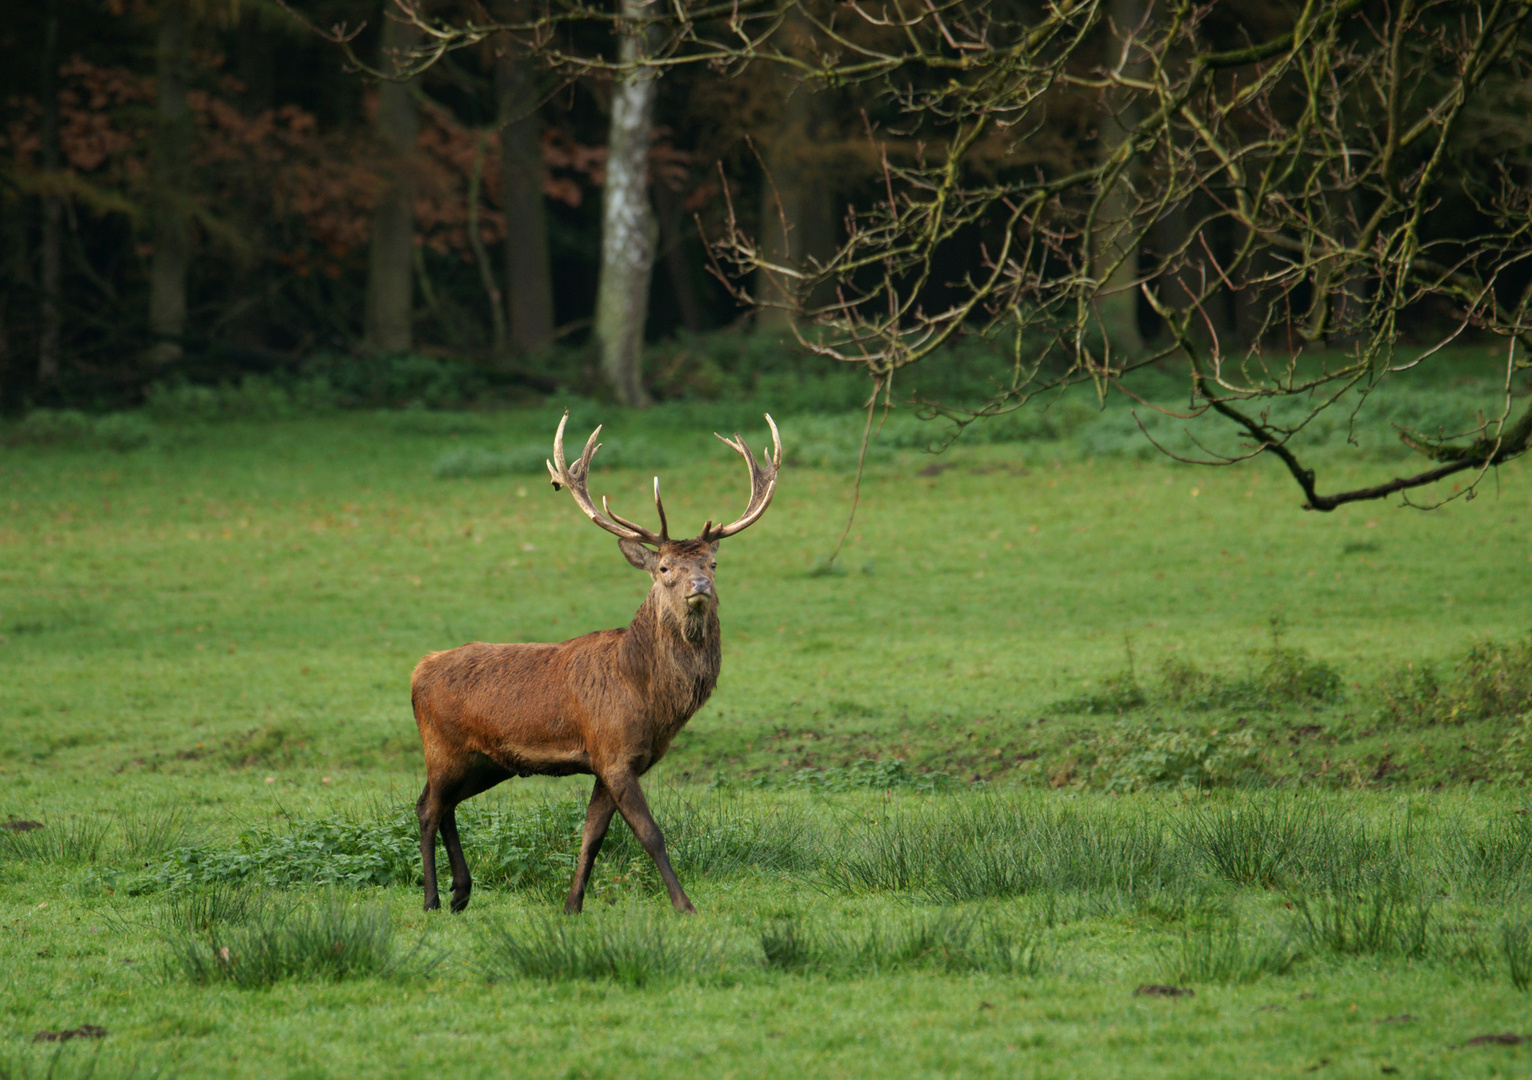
(763, 484)
(576, 477)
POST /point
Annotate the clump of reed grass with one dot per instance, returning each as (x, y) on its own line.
(1492, 860)
(948, 942)
(1374, 922)
(600, 947)
(249, 941)
(1223, 951)
(71, 841)
(1516, 947)
(996, 847)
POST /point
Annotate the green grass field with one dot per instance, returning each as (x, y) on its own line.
(1061, 722)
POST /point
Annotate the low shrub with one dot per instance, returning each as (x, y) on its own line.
(69, 427)
(1491, 679)
(866, 774)
(1143, 757)
(1115, 694)
(253, 397)
(400, 379)
(528, 849)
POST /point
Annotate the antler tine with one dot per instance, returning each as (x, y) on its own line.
(577, 479)
(763, 483)
(660, 506)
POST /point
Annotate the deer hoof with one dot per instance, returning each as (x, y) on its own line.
(459, 903)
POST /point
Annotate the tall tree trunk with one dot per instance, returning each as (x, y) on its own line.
(797, 197)
(672, 214)
(390, 262)
(255, 63)
(50, 333)
(13, 278)
(528, 272)
(1114, 253)
(628, 228)
(797, 212)
(245, 319)
(172, 176)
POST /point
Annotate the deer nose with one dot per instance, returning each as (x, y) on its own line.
(701, 588)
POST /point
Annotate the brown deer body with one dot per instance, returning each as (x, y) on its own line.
(606, 704)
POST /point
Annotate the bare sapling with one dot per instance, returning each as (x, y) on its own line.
(606, 704)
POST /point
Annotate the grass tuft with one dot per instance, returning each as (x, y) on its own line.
(73, 841)
(599, 947)
(1224, 952)
(1376, 922)
(1516, 946)
(948, 942)
(251, 943)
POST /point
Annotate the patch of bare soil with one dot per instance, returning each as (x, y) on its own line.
(84, 1031)
(1155, 990)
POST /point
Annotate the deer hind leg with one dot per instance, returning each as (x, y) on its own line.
(462, 884)
(597, 817)
(429, 808)
(635, 811)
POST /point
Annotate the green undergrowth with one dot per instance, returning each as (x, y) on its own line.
(1235, 900)
(909, 855)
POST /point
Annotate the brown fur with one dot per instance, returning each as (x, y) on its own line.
(607, 704)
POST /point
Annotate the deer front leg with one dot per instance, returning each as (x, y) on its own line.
(597, 817)
(635, 811)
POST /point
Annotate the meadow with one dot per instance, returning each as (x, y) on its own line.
(1074, 762)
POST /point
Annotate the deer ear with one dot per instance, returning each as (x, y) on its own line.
(638, 555)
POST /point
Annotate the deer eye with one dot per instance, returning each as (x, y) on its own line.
(664, 569)
(712, 566)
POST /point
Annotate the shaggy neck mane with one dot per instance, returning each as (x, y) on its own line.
(677, 656)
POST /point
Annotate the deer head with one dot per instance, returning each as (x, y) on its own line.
(682, 570)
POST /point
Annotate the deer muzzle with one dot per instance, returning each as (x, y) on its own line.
(699, 592)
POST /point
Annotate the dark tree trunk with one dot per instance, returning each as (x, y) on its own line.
(172, 179)
(797, 198)
(15, 375)
(528, 274)
(247, 320)
(49, 341)
(390, 264)
(1114, 254)
(255, 64)
(673, 238)
(628, 228)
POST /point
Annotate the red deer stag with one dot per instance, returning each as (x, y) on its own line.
(606, 704)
